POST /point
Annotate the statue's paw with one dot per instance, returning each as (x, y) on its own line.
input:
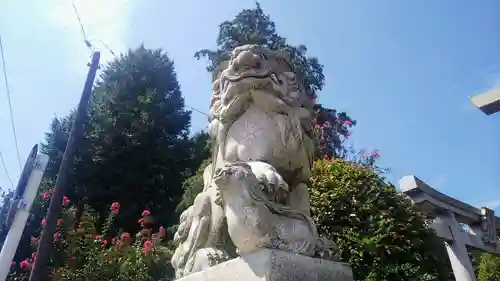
(269, 177)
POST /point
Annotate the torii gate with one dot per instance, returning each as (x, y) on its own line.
(445, 214)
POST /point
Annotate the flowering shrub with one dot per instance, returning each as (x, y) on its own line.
(80, 252)
(332, 129)
(378, 231)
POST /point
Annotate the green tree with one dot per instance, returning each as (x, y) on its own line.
(136, 148)
(253, 26)
(192, 186)
(488, 268)
(378, 231)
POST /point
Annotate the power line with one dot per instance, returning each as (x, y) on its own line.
(201, 112)
(10, 104)
(84, 34)
(5, 169)
(89, 44)
(86, 39)
(107, 47)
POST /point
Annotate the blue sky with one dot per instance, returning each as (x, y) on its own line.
(403, 69)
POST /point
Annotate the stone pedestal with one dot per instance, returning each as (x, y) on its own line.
(272, 265)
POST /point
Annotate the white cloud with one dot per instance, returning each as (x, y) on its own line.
(103, 20)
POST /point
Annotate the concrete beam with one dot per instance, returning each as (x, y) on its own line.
(470, 238)
(433, 201)
(489, 102)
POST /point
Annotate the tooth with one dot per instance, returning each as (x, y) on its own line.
(274, 78)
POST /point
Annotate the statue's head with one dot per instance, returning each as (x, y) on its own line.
(256, 68)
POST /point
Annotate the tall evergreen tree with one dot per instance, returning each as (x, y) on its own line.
(253, 26)
(136, 149)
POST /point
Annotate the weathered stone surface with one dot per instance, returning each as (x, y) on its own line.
(273, 265)
(255, 193)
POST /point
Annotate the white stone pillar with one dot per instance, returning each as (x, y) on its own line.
(457, 252)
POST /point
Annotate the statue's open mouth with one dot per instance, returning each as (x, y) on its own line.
(267, 74)
(263, 79)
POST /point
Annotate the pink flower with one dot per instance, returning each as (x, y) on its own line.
(104, 243)
(125, 236)
(147, 246)
(98, 236)
(318, 127)
(348, 122)
(57, 236)
(59, 222)
(347, 133)
(115, 205)
(65, 201)
(162, 231)
(45, 195)
(146, 213)
(43, 222)
(13, 263)
(115, 208)
(24, 264)
(375, 154)
(141, 221)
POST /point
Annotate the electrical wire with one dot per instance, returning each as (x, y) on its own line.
(89, 44)
(86, 39)
(7, 88)
(84, 34)
(197, 110)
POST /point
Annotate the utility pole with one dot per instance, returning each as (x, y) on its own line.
(38, 272)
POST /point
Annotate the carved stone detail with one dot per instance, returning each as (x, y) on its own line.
(255, 193)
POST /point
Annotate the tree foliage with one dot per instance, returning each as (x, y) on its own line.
(136, 147)
(488, 268)
(192, 186)
(253, 26)
(378, 231)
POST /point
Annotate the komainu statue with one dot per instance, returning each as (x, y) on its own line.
(255, 191)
